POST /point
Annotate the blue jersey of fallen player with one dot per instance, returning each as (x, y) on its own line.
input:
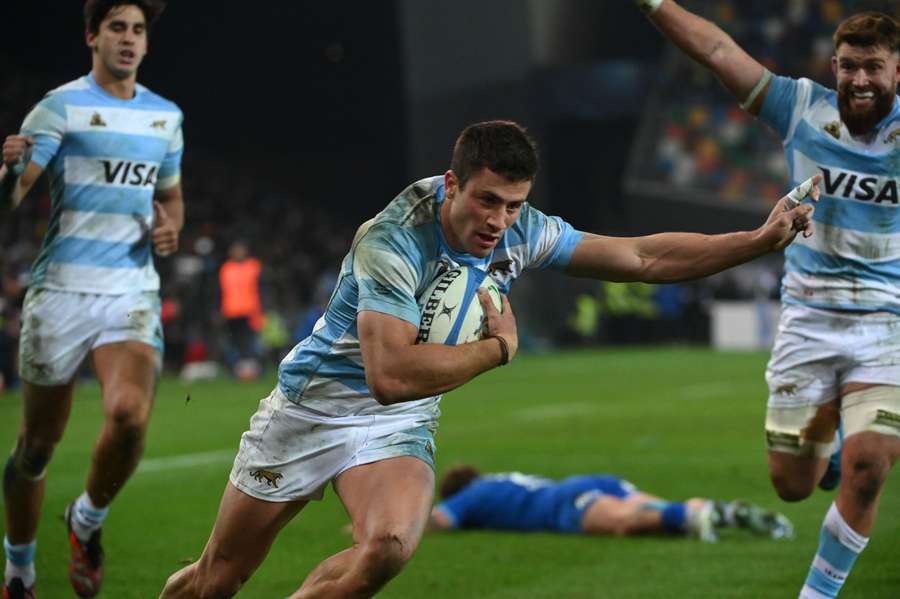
(852, 261)
(516, 501)
(393, 259)
(104, 157)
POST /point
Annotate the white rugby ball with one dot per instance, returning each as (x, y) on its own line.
(451, 311)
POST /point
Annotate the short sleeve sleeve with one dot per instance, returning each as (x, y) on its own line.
(46, 123)
(385, 265)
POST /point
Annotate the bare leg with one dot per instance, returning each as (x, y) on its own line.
(388, 503)
(622, 517)
(46, 412)
(866, 462)
(795, 477)
(127, 373)
(244, 531)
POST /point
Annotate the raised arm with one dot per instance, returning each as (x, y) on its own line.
(14, 180)
(707, 44)
(670, 257)
(397, 369)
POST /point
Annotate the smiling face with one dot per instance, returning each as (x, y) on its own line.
(475, 216)
(867, 84)
(120, 43)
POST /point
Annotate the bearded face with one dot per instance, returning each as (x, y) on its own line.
(867, 85)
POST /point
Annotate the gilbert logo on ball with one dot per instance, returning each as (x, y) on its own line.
(451, 311)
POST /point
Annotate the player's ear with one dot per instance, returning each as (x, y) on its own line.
(451, 184)
(90, 39)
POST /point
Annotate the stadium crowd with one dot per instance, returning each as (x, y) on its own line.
(704, 143)
(223, 205)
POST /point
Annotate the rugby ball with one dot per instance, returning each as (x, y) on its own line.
(451, 311)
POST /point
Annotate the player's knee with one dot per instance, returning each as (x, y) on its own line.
(384, 556)
(29, 460)
(792, 488)
(129, 416)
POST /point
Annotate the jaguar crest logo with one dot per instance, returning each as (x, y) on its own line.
(267, 476)
(833, 129)
(892, 136)
(158, 124)
(789, 389)
(97, 120)
(442, 267)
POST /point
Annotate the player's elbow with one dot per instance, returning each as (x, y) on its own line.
(386, 390)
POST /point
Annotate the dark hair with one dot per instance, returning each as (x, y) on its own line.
(456, 479)
(502, 146)
(96, 10)
(869, 29)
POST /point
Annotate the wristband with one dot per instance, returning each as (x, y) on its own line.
(504, 350)
(648, 6)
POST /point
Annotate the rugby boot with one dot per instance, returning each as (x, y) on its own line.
(86, 563)
(15, 589)
(759, 520)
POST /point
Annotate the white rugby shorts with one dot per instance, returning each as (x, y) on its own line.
(818, 351)
(59, 329)
(292, 452)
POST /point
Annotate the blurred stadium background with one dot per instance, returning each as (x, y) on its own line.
(303, 119)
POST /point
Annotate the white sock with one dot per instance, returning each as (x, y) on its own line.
(839, 546)
(86, 517)
(23, 556)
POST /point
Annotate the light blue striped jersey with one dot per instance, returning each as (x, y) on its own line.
(104, 158)
(393, 259)
(852, 261)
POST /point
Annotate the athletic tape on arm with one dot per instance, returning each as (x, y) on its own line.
(760, 85)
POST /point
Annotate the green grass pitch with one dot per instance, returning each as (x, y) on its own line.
(677, 422)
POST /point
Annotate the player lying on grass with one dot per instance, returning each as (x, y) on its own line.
(596, 504)
(356, 404)
(835, 354)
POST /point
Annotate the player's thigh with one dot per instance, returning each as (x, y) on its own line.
(127, 371)
(388, 497)
(802, 375)
(244, 531)
(872, 409)
(606, 515)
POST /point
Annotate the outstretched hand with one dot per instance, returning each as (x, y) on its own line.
(165, 233)
(790, 216)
